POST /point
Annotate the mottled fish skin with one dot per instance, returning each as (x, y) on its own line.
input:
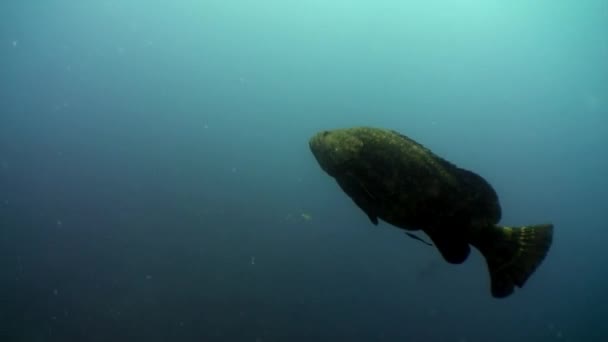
(403, 182)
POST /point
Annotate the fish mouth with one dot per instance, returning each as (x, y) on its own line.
(316, 142)
(335, 149)
(320, 149)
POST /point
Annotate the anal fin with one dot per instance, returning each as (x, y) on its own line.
(452, 246)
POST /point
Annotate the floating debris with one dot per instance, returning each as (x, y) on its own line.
(306, 216)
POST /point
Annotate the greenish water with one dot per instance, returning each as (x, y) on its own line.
(156, 182)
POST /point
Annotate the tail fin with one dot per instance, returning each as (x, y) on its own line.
(513, 254)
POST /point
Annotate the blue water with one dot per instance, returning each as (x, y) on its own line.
(156, 182)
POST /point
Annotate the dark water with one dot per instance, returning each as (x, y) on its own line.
(156, 182)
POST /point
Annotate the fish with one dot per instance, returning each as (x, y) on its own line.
(393, 178)
(306, 216)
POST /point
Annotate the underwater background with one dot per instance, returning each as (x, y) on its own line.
(156, 182)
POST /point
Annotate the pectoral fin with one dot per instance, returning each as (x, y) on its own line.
(372, 217)
(361, 196)
(366, 205)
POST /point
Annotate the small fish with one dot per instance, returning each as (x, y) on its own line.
(418, 238)
(306, 216)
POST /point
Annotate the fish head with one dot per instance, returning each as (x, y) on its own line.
(335, 149)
